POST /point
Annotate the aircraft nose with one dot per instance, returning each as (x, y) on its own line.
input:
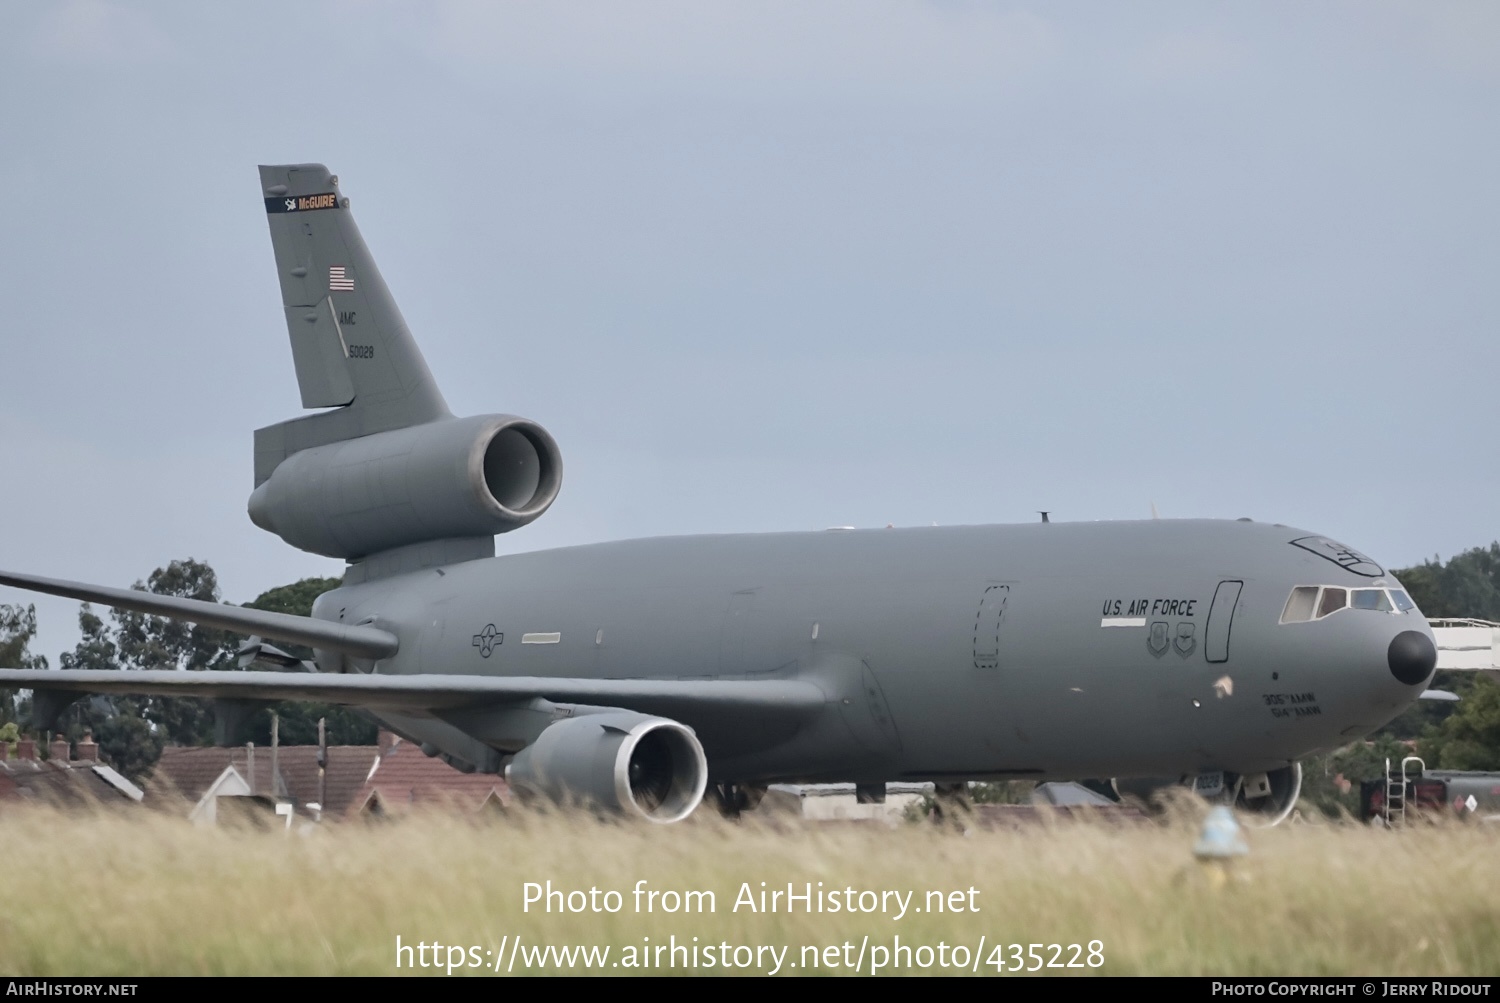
(1412, 657)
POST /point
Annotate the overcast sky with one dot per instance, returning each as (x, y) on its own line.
(768, 265)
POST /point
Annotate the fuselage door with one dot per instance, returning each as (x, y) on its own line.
(1220, 620)
(987, 626)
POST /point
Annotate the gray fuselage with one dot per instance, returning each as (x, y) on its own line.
(1045, 650)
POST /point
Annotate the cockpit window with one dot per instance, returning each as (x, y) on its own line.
(1300, 606)
(1375, 599)
(1314, 602)
(1333, 600)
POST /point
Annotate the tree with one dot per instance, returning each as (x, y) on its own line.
(153, 642)
(1467, 586)
(299, 721)
(1470, 738)
(121, 725)
(17, 628)
(1353, 763)
(132, 730)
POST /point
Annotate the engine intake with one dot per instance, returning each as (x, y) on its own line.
(460, 477)
(618, 760)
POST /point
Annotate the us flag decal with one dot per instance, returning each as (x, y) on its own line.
(338, 281)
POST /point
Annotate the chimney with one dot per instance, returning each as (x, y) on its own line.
(26, 748)
(58, 750)
(88, 749)
(387, 742)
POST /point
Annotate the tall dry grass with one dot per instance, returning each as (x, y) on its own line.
(151, 894)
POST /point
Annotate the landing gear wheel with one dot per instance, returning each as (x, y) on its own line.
(950, 802)
(733, 799)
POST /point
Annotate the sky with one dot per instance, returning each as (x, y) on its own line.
(771, 265)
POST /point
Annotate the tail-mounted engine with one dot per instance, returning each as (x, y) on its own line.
(618, 760)
(458, 477)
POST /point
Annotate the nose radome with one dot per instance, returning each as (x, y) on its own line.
(1412, 657)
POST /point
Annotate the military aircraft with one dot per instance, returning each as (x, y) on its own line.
(637, 675)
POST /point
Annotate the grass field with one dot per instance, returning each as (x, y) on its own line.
(105, 895)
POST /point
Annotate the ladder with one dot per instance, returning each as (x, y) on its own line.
(1395, 790)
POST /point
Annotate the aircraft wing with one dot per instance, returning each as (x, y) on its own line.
(691, 700)
(787, 698)
(357, 640)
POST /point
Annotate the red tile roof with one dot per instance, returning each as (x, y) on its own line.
(397, 775)
(406, 777)
(62, 783)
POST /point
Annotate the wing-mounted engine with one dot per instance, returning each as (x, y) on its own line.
(446, 479)
(622, 761)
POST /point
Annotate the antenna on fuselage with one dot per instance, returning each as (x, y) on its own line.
(1046, 516)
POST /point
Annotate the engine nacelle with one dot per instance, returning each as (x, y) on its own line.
(626, 762)
(460, 477)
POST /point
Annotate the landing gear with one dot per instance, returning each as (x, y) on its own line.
(869, 793)
(732, 799)
(950, 802)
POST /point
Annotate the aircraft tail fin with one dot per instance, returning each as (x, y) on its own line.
(351, 347)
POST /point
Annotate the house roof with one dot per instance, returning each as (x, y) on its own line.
(396, 774)
(64, 783)
(406, 777)
(191, 772)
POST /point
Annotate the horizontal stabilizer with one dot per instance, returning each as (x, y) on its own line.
(678, 698)
(358, 641)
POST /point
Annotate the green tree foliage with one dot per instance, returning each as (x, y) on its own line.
(153, 642)
(1466, 586)
(96, 649)
(132, 730)
(296, 598)
(1470, 737)
(1457, 736)
(1331, 782)
(1002, 792)
(17, 628)
(122, 725)
(299, 721)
